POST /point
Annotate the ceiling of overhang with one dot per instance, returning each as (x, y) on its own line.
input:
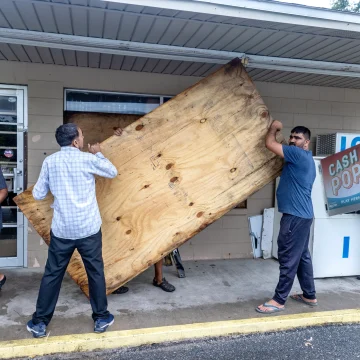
(100, 19)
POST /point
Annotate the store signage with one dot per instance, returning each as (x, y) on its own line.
(341, 179)
(345, 141)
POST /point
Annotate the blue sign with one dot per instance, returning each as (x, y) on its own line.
(346, 247)
(348, 141)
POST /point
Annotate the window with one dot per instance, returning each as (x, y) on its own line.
(111, 102)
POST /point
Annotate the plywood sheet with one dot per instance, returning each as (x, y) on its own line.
(97, 127)
(180, 168)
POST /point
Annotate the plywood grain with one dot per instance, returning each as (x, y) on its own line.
(98, 127)
(180, 168)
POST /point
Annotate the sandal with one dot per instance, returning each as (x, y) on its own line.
(2, 282)
(274, 309)
(121, 290)
(301, 299)
(164, 285)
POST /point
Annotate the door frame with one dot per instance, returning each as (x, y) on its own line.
(21, 92)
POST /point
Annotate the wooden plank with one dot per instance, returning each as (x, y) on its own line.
(180, 168)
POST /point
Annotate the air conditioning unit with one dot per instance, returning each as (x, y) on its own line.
(330, 144)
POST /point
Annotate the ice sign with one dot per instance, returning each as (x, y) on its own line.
(348, 141)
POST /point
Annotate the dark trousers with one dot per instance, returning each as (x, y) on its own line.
(294, 258)
(59, 255)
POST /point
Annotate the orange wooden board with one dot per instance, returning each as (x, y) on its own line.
(180, 168)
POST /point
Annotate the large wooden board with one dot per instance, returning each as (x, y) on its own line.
(97, 127)
(180, 168)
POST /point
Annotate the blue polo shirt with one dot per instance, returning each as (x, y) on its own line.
(296, 182)
(2, 186)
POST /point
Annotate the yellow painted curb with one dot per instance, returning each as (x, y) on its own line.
(137, 337)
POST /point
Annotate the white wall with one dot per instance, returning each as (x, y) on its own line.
(323, 110)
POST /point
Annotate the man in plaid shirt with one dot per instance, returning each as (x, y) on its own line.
(69, 175)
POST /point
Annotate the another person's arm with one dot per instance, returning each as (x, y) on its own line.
(41, 187)
(3, 188)
(271, 142)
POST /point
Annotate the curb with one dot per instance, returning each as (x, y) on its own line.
(138, 337)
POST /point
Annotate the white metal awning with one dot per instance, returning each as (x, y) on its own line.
(280, 42)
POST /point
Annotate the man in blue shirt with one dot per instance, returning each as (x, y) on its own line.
(3, 196)
(294, 202)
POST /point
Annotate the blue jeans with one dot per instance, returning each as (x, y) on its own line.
(294, 258)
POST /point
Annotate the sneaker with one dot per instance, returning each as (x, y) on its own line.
(101, 325)
(38, 330)
(121, 290)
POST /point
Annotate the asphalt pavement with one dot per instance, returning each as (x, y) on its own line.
(327, 342)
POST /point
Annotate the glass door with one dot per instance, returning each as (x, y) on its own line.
(13, 127)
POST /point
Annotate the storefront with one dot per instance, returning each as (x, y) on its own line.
(105, 64)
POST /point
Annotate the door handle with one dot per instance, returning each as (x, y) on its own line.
(17, 173)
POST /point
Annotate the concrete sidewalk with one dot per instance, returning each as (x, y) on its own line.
(212, 291)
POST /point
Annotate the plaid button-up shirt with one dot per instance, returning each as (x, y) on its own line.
(69, 175)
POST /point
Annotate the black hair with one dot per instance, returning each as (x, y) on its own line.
(65, 134)
(302, 130)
